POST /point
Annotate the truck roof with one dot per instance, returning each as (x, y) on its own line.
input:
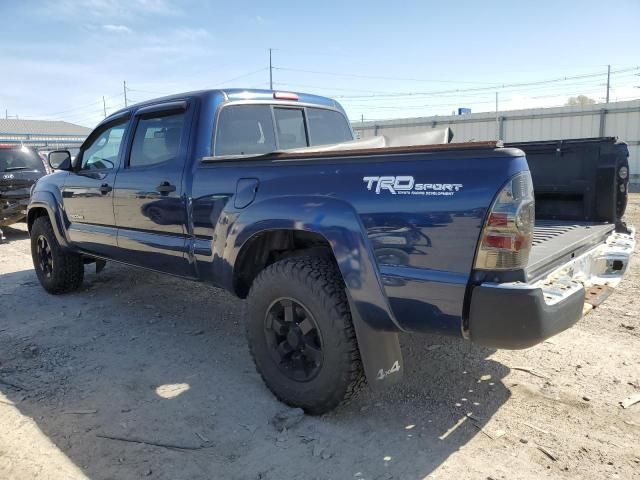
(234, 94)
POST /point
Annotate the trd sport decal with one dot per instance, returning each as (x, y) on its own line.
(406, 185)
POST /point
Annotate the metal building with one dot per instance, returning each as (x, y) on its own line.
(619, 119)
(42, 133)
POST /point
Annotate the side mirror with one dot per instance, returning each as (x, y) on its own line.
(60, 160)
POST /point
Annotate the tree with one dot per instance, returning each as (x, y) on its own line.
(580, 100)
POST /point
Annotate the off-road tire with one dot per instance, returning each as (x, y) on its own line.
(67, 270)
(316, 283)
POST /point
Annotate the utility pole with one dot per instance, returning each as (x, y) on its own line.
(124, 87)
(608, 81)
(497, 120)
(6, 114)
(104, 106)
(270, 72)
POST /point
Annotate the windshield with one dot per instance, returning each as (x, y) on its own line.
(250, 129)
(19, 158)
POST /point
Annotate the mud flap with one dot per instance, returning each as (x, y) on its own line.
(379, 351)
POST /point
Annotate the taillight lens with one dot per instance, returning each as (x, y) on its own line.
(623, 173)
(506, 238)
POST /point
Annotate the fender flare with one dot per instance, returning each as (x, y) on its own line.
(338, 223)
(47, 200)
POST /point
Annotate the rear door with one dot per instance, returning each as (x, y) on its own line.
(150, 209)
(88, 190)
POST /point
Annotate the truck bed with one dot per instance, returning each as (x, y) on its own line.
(555, 242)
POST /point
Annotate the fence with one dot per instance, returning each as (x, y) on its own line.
(617, 119)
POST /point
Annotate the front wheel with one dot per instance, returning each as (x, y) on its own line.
(301, 335)
(57, 270)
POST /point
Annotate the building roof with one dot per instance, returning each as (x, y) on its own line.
(41, 127)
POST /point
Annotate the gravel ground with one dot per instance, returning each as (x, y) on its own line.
(172, 384)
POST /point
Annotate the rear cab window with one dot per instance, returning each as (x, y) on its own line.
(245, 130)
(292, 132)
(327, 127)
(250, 129)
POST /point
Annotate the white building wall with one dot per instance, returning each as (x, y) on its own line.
(619, 119)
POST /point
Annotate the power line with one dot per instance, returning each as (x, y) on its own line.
(242, 76)
(494, 87)
(96, 115)
(554, 90)
(88, 106)
(458, 95)
(316, 52)
(79, 107)
(318, 87)
(147, 91)
(452, 104)
(376, 77)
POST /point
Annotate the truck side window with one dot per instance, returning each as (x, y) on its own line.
(290, 127)
(245, 130)
(327, 126)
(103, 152)
(157, 139)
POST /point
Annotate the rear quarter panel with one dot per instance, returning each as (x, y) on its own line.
(421, 247)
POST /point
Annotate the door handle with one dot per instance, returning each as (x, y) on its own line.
(166, 187)
(105, 188)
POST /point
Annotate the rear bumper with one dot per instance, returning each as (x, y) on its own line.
(519, 315)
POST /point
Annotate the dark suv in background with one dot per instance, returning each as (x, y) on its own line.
(20, 168)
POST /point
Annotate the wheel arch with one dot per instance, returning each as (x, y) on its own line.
(268, 246)
(376, 331)
(293, 224)
(42, 204)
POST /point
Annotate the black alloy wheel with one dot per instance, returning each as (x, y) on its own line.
(45, 256)
(57, 269)
(294, 340)
(301, 335)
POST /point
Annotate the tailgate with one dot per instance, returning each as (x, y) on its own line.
(597, 270)
(557, 242)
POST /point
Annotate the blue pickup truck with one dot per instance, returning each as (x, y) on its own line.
(339, 244)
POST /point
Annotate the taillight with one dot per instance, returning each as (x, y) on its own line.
(506, 238)
(623, 173)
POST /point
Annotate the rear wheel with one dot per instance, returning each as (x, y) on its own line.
(301, 335)
(57, 270)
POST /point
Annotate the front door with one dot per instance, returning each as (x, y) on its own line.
(88, 190)
(149, 207)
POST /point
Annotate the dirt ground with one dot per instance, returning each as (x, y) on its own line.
(156, 360)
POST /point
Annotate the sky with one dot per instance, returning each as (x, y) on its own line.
(381, 60)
